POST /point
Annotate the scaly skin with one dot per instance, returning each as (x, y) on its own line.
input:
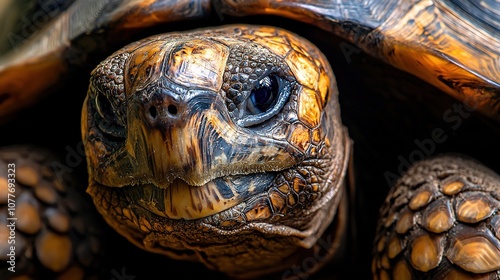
(181, 165)
(440, 221)
(49, 228)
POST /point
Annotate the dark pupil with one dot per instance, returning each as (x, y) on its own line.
(264, 94)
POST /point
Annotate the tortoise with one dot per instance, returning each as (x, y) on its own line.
(280, 139)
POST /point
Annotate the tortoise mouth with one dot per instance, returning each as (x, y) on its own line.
(179, 200)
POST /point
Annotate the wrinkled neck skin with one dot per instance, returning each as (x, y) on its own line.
(178, 171)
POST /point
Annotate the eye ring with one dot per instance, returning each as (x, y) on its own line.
(271, 102)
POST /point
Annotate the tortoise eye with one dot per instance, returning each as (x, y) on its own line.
(265, 100)
(263, 96)
(107, 121)
(103, 107)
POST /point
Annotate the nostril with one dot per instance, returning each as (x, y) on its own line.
(153, 112)
(165, 113)
(172, 110)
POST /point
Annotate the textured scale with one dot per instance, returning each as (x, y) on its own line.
(447, 225)
(57, 231)
(111, 84)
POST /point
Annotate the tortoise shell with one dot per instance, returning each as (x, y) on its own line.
(450, 44)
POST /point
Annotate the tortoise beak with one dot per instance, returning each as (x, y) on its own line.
(190, 137)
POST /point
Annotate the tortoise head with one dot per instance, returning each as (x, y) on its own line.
(220, 145)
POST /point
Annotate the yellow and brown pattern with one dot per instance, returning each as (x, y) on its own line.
(440, 221)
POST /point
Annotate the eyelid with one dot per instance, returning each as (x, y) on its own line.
(98, 104)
